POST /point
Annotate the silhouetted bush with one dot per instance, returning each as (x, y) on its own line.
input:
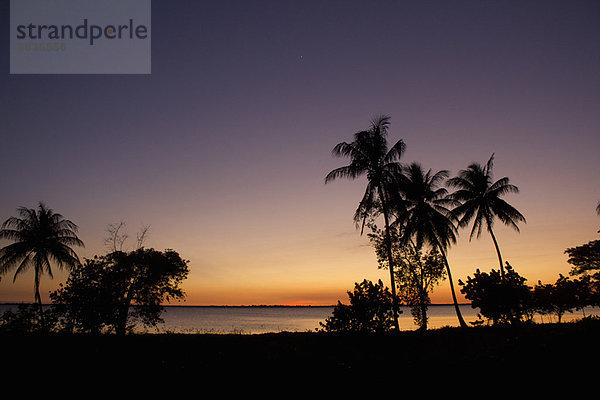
(585, 260)
(27, 319)
(565, 295)
(501, 301)
(370, 310)
(108, 292)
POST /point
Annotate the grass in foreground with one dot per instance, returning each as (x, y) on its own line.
(549, 348)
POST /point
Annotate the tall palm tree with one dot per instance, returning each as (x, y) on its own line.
(424, 217)
(480, 200)
(39, 236)
(369, 155)
(598, 208)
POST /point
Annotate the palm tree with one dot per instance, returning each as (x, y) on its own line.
(369, 155)
(479, 198)
(39, 236)
(598, 208)
(424, 217)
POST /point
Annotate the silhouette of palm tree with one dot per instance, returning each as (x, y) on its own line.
(39, 236)
(424, 216)
(369, 155)
(479, 198)
(598, 208)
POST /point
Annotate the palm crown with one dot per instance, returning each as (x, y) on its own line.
(40, 236)
(369, 155)
(480, 200)
(424, 212)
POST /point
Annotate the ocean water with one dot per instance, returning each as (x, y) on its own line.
(252, 320)
(255, 320)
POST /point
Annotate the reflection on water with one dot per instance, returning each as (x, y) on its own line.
(297, 319)
(250, 320)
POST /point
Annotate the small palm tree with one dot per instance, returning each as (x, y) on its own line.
(424, 217)
(480, 200)
(39, 236)
(369, 155)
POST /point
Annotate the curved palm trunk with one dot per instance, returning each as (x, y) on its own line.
(498, 252)
(461, 321)
(388, 242)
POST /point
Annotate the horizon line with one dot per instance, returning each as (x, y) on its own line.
(234, 305)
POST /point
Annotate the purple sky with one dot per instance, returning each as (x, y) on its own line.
(223, 149)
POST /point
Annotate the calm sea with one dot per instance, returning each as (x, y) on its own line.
(251, 320)
(277, 319)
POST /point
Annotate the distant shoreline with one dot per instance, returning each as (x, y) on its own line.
(244, 306)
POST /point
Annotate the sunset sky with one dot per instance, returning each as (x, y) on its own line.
(224, 148)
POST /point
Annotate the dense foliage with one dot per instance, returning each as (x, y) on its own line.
(370, 310)
(416, 275)
(113, 290)
(499, 300)
(511, 301)
(585, 258)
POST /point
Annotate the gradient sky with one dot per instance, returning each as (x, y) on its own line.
(223, 149)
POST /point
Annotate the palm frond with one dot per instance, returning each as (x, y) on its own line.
(395, 153)
(489, 166)
(437, 178)
(369, 206)
(23, 266)
(478, 223)
(39, 235)
(509, 215)
(343, 149)
(461, 183)
(348, 171)
(11, 234)
(502, 187)
(380, 124)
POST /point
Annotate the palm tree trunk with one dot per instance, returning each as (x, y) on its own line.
(388, 242)
(498, 252)
(461, 321)
(38, 299)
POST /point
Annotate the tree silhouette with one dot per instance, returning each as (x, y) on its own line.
(369, 155)
(424, 215)
(111, 290)
(502, 300)
(40, 236)
(479, 198)
(416, 273)
(585, 258)
(370, 310)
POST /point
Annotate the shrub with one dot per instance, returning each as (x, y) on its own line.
(370, 310)
(499, 300)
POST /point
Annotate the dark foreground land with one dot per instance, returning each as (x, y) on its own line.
(544, 350)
